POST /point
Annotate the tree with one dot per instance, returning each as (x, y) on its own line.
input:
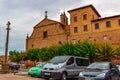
(117, 51)
(86, 49)
(66, 49)
(53, 51)
(22, 55)
(33, 54)
(104, 52)
(14, 56)
(44, 54)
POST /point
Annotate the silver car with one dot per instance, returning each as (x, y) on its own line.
(63, 67)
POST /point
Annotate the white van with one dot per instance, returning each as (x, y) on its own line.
(63, 67)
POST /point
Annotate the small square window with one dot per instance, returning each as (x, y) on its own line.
(45, 34)
(75, 29)
(108, 24)
(97, 26)
(85, 28)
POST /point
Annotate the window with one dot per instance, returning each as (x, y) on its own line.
(70, 61)
(60, 42)
(59, 59)
(85, 17)
(85, 28)
(75, 19)
(90, 38)
(75, 29)
(119, 22)
(32, 45)
(108, 24)
(82, 62)
(45, 34)
(97, 26)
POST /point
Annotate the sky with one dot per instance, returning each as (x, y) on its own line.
(25, 14)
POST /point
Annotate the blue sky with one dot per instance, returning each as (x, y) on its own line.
(25, 14)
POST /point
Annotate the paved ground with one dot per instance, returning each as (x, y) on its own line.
(17, 76)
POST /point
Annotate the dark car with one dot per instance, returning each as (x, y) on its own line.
(100, 71)
(14, 66)
(118, 69)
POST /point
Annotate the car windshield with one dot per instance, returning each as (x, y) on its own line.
(12, 63)
(59, 59)
(98, 66)
(41, 64)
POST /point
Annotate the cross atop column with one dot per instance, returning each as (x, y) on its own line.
(8, 25)
(46, 14)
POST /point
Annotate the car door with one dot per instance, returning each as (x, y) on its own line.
(70, 67)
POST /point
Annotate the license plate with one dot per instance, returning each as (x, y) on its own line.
(47, 73)
(88, 79)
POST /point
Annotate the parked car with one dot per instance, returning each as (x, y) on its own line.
(118, 69)
(36, 71)
(100, 71)
(14, 66)
(38, 63)
(63, 67)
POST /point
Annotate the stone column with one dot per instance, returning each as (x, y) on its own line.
(7, 40)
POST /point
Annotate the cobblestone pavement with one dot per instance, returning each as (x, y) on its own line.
(17, 76)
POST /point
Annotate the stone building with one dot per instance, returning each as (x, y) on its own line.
(85, 24)
(48, 32)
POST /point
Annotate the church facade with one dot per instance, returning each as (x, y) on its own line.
(48, 32)
(85, 24)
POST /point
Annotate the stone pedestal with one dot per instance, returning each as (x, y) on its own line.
(5, 68)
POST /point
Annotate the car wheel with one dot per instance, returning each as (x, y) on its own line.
(118, 78)
(109, 78)
(64, 76)
(32, 75)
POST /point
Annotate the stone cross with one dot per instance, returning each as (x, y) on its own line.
(7, 40)
(46, 14)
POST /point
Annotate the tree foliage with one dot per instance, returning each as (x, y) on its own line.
(93, 51)
(15, 56)
(33, 54)
(117, 51)
(104, 52)
(86, 49)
